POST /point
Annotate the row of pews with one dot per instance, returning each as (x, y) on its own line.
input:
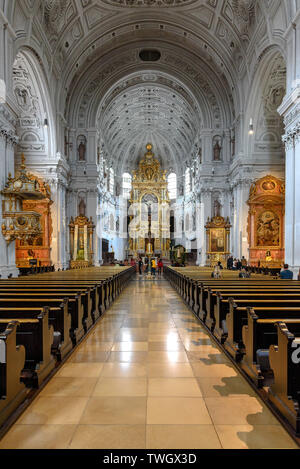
(33, 270)
(42, 318)
(257, 322)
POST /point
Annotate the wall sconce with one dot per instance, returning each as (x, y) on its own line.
(46, 123)
(251, 129)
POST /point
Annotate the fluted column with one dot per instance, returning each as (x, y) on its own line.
(292, 178)
(7, 251)
(205, 212)
(240, 217)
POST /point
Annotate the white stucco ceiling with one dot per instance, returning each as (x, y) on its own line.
(148, 107)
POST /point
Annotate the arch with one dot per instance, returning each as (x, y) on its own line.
(268, 89)
(31, 94)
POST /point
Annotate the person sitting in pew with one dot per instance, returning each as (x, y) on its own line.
(217, 273)
(244, 273)
(286, 274)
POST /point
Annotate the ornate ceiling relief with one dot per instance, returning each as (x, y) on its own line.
(244, 13)
(147, 111)
(54, 11)
(30, 128)
(271, 123)
(148, 3)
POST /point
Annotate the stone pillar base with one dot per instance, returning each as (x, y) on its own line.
(295, 271)
(6, 271)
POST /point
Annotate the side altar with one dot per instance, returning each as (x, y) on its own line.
(81, 242)
(217, 240)
(149, 229)
(266, 222)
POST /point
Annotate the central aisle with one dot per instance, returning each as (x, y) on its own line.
(147, 376)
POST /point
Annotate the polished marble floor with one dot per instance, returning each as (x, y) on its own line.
(147, 376)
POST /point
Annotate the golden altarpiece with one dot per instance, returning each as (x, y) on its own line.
(149, 229)
(217, 240)
(266, 222)
(81, 242)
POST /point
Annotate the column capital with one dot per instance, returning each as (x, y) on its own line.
(9, 136)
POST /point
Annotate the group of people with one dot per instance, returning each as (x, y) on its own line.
(236, 264)
(217, 272)
(241, 265)
(143, 266)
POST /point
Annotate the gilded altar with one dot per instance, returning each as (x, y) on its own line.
(217, 240)
(81, 242)
(149, 228)
(266, 222)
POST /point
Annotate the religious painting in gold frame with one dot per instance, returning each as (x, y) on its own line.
(217, 240)
(266, 222)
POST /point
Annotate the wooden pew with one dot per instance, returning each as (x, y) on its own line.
(36, 335)
(99, 293)
(12, 359)
(95, 291)
(72, 305)
(84, 295)
(202, 288)
(64, 292)
(59, 316)
(216, 319)
(258, 335)
(284, 361)
(237, 318)
(208, 294)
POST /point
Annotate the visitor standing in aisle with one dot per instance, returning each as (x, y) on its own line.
(153, 266)
(160, 267)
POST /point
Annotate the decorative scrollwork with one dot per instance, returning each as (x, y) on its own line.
(148, 3)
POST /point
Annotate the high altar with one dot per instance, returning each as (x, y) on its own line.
(266, 222)
(149, 229)
(81, 242)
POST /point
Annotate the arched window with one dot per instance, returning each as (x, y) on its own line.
(187, 181)
(126, 185)
(172, 185)
(111, 181)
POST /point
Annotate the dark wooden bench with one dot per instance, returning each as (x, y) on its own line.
(12, 360)
(36, 335)
(98, 292)
(237, 318)
(284, 392)
(258, 335)
(204, 289)
(84, 294)
(219, 305)
(59, 316)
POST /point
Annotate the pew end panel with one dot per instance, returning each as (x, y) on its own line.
(231, 344)
(12, 359)
(285, 363)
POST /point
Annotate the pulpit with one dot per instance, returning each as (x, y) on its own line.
(81, 242)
